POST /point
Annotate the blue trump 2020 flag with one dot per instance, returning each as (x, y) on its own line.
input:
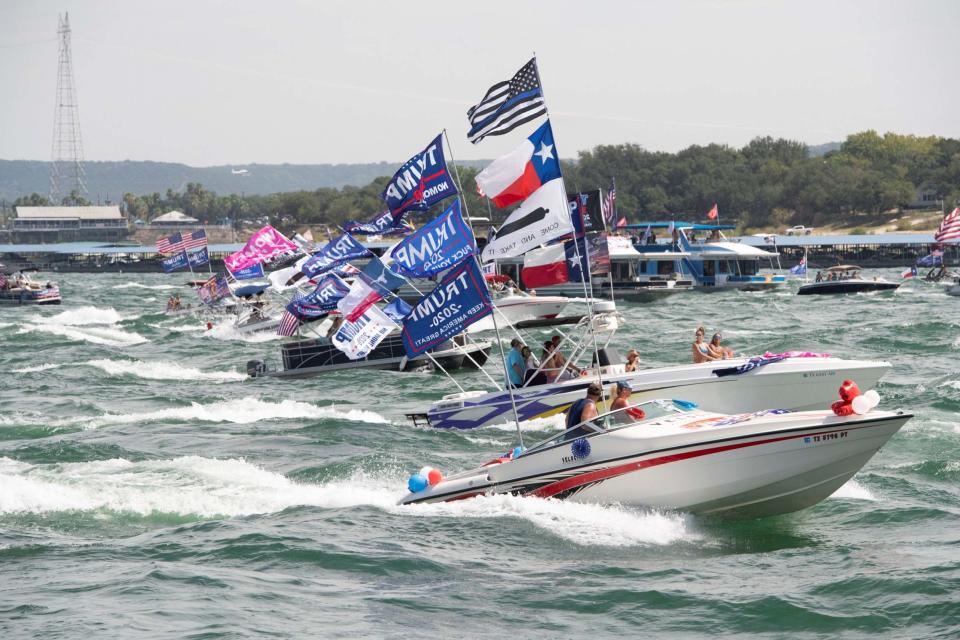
(422, 181)
(383, 222)
(321, 300)
(458, 301)
(335, 253)
(250, 273)
(178, 261)
(440, 244)
(198, 258)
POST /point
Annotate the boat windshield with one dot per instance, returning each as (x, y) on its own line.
(617, 419)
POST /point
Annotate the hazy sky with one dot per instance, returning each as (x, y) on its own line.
(310, 81)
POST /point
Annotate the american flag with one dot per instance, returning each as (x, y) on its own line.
(3, 279)
(289, 322)
(507, 105)
(194, 240)
(610, 203)
(950, 227)
(171, 244)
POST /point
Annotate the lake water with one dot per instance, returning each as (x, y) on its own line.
(148, 489)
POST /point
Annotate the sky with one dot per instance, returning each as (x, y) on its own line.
(207, 82)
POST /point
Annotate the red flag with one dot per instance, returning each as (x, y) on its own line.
(713, 213)
(621, 223)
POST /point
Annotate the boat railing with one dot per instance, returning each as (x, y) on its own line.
(613, 420)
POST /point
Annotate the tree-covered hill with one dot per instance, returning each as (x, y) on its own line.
(110, 180)
(768, 183)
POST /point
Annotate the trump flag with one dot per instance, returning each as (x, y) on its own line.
(422, 181)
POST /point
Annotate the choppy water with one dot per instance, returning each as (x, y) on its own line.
(147, 489)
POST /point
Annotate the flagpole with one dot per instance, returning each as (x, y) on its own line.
(576, 244)
(608, 232)
(496, 326)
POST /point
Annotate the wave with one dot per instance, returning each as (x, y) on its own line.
(85, 324)
(243, 411)
(162, 371)
(584, 524)
(36, 368)
(179, 328)
(137, 285)
(226, 331)
(206, 487)
(81, 316)
(853, 490)
(109, 336)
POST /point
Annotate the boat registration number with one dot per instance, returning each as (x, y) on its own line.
(825, 437)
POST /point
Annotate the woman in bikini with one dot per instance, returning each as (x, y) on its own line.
(701, 350)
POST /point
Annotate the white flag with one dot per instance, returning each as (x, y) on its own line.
(358, 339)
(542, 217)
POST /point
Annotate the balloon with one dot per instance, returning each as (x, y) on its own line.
(849, 390)
(861, 405)
(425, 471)
(873, 397)
(417, 483)
(434, 477)
(841, 408)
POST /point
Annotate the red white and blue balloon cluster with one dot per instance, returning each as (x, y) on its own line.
(426, 477)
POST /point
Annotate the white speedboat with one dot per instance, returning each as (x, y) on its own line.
(679, 458)
(513, 307)
(794, 383)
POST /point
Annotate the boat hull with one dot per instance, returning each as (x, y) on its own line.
(752, 470)
(310, 358)
(846, 286)
(30, 296)
(795, 384)
(516, 309)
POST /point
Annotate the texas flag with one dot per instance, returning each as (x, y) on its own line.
(374, 283)
(555, 264)
(513, 177)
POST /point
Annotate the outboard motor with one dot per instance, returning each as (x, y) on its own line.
(256, 368)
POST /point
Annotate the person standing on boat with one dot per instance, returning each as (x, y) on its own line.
(515, 364)
(584, 409)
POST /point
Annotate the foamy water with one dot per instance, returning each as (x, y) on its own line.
(85, 324)
(853, 490)
(206, 487)
(163, 371)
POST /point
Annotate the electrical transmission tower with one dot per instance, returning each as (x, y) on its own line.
(66, 172)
